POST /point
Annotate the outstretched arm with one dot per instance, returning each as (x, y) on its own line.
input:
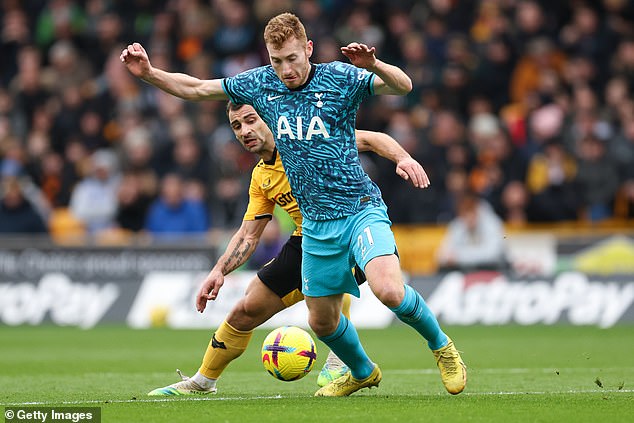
(187, 87)
(390, 79)
(240, 248)
(386, 146)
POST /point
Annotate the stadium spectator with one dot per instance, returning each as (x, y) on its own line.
(474, 239)
(133, 202)
(56, 178)
(551, 182)
(597, 179)
(172, 215)
(94, 199)
(15, 35)
(493, 74)
(514, 204)
(17, 214)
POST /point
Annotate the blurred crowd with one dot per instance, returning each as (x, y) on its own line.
(526, 104)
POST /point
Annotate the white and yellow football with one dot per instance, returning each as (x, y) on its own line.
(288, 353)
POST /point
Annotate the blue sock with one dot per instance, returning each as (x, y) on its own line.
(414, 311)
(344, 341)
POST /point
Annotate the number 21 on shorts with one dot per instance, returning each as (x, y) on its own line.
(365, 241)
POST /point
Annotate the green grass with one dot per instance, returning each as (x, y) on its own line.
(516, 374)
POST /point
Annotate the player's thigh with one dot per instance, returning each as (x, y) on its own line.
(283, 274)
(386, 279)
(374, 249)
(258, 305)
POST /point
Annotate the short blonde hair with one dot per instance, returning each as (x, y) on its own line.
(282, 28)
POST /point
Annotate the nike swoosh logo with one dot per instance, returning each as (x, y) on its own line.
(273, 97)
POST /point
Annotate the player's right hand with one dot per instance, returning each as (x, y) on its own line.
(410, 170)
(136, 60)
(209, 289)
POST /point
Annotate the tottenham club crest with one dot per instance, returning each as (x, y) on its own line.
(320, 103)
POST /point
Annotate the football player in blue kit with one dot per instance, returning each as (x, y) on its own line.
(311, 110)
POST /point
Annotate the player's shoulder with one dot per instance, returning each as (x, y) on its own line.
(336, 65)
(261, 72)
(342, 70)
(258, 166)
(257, 172)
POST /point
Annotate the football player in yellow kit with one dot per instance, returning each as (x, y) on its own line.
(278, 283)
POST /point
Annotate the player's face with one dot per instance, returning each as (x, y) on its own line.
(291, 62)
(250, 130)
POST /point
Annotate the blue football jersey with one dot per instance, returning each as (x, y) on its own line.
(313, 126)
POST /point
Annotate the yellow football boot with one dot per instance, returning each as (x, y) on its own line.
(453, 371)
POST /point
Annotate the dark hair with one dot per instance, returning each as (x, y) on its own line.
(232, 107)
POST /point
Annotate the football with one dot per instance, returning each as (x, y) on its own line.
(288, 353)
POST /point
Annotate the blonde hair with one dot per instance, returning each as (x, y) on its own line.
(282, 28)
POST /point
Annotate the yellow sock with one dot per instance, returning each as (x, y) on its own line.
(345, 308)
(226, 345)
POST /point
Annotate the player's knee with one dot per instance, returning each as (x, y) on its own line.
(389, 293)
(243, 317)
(321, 325)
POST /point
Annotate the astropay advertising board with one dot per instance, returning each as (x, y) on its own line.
(82, 286)
(147, 287)
(493, 298)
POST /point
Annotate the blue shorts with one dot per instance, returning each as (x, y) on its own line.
(332, 247)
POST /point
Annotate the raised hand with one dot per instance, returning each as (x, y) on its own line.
(360, 55)
(136, 60)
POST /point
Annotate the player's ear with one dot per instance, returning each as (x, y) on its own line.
(309, 48)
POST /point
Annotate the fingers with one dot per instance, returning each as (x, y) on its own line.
(412, 171)
(125, 54)
(414, 177)
(418, 176)
(201, 303)
(426, 181)
(203, 296)
(214, 292)
(402, 173)
(134, 49)
(357, 48)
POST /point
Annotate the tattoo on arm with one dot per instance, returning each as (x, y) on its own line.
(241, 252)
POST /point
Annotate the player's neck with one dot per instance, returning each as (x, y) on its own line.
(269, 155)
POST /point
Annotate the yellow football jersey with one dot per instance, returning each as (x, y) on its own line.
(269, 186)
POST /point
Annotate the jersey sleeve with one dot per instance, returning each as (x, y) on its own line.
(259, 207)
(242, 88)
(360, 82)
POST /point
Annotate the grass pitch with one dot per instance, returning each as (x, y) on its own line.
(516, 374)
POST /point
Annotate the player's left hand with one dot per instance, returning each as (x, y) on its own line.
(360, 55)
(410, 170)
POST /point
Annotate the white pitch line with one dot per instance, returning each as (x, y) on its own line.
(583, 391)
(172, 399)
(115, 401)
(517, 370)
